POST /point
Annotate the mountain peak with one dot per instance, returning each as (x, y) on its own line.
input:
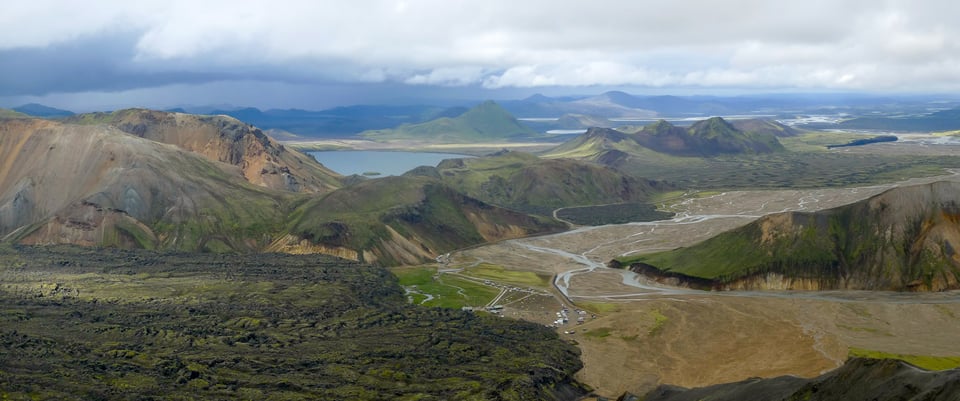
(538, 98)
(713, 127)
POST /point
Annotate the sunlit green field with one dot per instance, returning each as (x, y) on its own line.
(927, 362)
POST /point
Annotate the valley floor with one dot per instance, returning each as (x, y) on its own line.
(646, 334)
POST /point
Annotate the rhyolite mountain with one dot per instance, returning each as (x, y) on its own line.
(857, 379)
(170, 181)
(264, 161)
(97, 185)
(482, 123)
(904, 239)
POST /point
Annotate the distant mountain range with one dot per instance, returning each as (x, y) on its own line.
(944, 120)
(903, 239)
(485, 122)
(39, 110)
(617, 104)
(609, 109)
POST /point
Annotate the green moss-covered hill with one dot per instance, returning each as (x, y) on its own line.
(487, 122)
(526, 182)
(7, 113)
(100, 324)
(906, 238)
(765, 126)
(409, 219)
(661, 145)
(709, 137)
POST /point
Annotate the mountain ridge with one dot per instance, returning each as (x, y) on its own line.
(264, 161)
(904, 239)
(706, 138)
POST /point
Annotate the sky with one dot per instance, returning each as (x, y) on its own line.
(314, 54)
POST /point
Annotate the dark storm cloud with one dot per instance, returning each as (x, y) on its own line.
(102, 63)
(51, 46)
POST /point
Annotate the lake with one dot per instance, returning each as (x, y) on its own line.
(386, 163)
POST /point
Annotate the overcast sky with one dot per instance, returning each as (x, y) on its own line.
(314, 54)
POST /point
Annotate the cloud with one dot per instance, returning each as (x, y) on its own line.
(893, 45)
(100, 63)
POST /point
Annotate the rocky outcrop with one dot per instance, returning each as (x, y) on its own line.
(88, 224)
(294, 245)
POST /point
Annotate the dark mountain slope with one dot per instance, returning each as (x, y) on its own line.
(903, 239)
(858, 379)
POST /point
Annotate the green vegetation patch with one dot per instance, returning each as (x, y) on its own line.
(809, 168)
(599, 307)
(443, 290)
(500, 274)
(659, 320)
(7, 113)
(927, 362)
(600, 332)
